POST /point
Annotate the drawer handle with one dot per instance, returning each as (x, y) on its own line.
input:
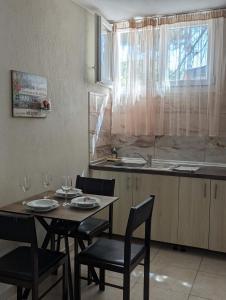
(215, 192)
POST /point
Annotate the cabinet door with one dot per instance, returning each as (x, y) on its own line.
(194, 203)
(165, 212)
(217, 238)
(123, 190)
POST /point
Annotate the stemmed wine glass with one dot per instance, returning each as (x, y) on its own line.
(66, 185)
(25, 184)
(46, 182)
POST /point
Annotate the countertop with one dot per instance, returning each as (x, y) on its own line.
(205, 171)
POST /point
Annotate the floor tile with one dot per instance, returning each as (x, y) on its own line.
(209, 286)
(214, 263)
(188, 260)
(157, 293)
(117, 278)
(171, 278)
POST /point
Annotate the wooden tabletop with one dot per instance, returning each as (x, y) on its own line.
(60, 213)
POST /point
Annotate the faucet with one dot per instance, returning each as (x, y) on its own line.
(147, 159)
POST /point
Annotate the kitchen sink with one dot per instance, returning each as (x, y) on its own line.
(159, 166)
(142, 164)
(129, 165)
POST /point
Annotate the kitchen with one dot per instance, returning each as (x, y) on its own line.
(186, 142)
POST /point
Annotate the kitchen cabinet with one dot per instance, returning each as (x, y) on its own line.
(194, 219)
(132, 189)
(188, 211)
(165, 212)
(217, 236)
(123, 189)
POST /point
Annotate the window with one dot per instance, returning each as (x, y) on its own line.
(177, 56)
(188, 55)
(104, 51)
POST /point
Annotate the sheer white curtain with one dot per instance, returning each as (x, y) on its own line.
(169, 76)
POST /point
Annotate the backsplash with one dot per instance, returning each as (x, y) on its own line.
(201, 149)
(186, 148)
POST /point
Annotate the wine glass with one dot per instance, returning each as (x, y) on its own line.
(25, 184)
(66, 185)
(46, 182)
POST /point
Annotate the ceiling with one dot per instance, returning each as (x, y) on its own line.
(116, 10)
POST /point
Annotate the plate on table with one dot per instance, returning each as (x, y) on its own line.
(71, 194)
(41, 205)
(85, 202)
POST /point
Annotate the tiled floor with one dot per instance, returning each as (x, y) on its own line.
(175, 275)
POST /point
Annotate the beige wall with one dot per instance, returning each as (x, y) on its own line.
(46, 37)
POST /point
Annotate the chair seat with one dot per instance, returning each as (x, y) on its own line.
(65, 228)
(108, 251)
(17, 263)
(91, 227)
(86, 230)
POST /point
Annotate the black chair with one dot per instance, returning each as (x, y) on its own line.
(120, 256)
(28, 266)
(94, 226)
(89, 228)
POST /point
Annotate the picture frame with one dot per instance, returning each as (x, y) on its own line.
(29, 95)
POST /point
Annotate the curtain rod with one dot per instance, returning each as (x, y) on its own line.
(172, 15)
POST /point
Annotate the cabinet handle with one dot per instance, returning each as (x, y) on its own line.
(215, 192)
(205, 190)
(136, 183)
(128, 183)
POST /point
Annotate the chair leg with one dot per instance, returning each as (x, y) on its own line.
(35, 292)
(70, 284)
(93, 272)
(52, 244)
(19, 293)
(57, 249)
(65, 281)
(102, 280)
(126, 286)
(146, 275)
(77, 284)
(89, 269)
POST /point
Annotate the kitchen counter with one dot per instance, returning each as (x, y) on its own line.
(208, 171)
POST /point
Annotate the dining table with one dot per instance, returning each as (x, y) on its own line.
(61, 213)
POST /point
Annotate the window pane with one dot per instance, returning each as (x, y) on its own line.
(188, 53)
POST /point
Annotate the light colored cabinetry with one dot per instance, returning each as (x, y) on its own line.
(187, 211)
(217, 236)
(165, 213)
(132, 189)
(194, 204)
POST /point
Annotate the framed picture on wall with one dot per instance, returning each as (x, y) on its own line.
(29, 95)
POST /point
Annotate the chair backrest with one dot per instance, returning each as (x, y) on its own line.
(18, 228)
(96, 186)
(141, 214)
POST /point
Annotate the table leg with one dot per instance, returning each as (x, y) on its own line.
(110, 220)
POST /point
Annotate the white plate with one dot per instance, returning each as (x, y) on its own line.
(72, 192)
(43, 209)
(41, 205)
(85, 202)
